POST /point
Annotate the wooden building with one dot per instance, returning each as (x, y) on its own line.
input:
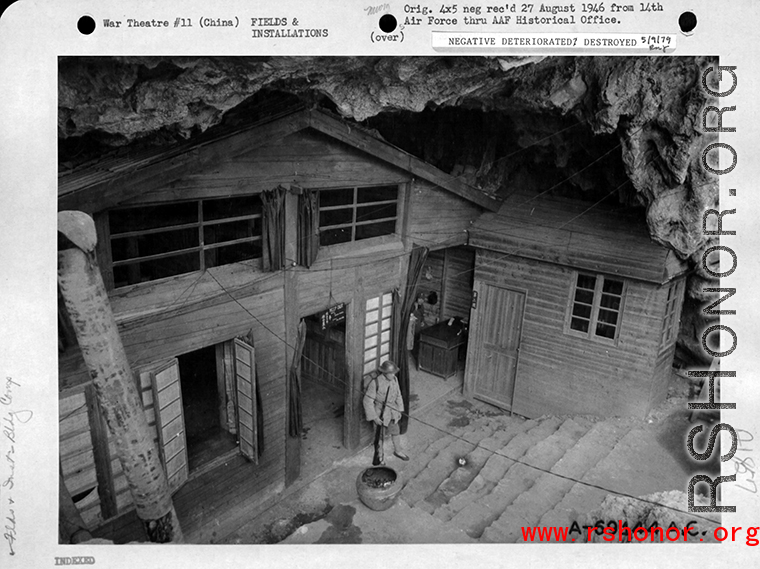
(223, 257)
(576, 310)
(211, 265)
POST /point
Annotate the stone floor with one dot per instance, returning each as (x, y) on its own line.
(513, 473)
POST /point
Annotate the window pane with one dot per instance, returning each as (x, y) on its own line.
(608, 317)
(578, 324)
(333, 236)
(231, 207)
(123, 248)
(335, 217)
(152, 217)
(582, 310)
(375, 229)
(377, 194)
(587, 282)
(230, 231)
(606, 331)
(232, 254)
(613, 287)
(609, 301)
(336, 197)
(584, 296)
(157, 269)
(370, 212)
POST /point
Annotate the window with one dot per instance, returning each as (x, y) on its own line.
(671, 321)
(596, 306)
(352, 214)
(377, 331)
(157, 241)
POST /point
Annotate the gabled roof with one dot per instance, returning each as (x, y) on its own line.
(576, 234)
(108, 183)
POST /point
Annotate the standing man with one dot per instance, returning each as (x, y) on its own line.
(383, 406)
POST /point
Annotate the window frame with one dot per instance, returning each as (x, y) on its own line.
(354, 206)
(595, 308)
(372, 353)
(673, 306)
(200, 249)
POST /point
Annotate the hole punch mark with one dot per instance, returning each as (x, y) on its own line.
(86, 25)
(388, 23)
(687, 22)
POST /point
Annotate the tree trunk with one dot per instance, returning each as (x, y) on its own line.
(87, 304)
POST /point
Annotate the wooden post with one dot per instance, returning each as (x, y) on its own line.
(353, 416)
(290, 284)
(87, 304)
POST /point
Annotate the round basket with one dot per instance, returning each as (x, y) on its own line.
(378, 487)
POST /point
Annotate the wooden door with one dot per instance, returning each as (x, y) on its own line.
(245, 377)
(499, 327)
(170, 422)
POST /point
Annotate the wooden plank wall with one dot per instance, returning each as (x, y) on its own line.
(165, 319)
(450, 275)
(457, 282)
(156, 337)
(352, 281)
(663, 369)
(77, 456)
(664, 362)
(307, 158)
(439, 218)
(562, 374)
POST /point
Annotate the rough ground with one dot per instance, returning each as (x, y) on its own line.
(567, 465)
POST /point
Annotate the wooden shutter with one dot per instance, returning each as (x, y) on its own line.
(170, 422)
(245, 378)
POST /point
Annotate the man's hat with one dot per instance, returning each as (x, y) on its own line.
(388, 367)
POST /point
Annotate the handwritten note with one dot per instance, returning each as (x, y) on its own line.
(745, 467)
(10, 421)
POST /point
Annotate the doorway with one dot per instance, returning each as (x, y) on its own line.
(206, 426)
(323, 389)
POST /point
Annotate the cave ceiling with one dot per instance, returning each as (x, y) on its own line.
(620, 129)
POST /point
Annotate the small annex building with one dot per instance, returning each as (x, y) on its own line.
(220, 257)
(575, 310)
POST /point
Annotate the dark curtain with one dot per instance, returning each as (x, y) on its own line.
(308, 227)
(402, 310)
(273, 229)
(295, 416)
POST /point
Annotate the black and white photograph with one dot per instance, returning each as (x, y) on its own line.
(382, 300)
(471, 281)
